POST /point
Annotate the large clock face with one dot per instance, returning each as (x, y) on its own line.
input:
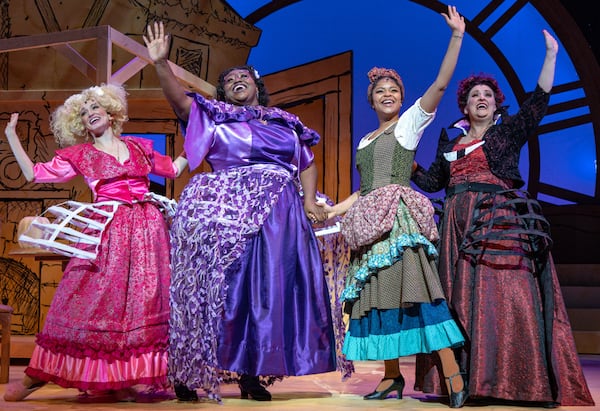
(559, 163)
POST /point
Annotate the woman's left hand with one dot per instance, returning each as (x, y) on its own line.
(455, 21)
(315, 212)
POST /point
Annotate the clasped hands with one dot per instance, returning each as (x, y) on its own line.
(316, 212)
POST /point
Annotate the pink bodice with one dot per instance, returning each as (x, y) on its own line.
(108, 178)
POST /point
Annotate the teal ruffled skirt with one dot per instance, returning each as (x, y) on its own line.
(394, 297)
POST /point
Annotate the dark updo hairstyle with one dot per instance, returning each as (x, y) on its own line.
(376, 74)
(465, 86)
(263, 95)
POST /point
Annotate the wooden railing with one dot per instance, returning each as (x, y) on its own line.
(102, 72)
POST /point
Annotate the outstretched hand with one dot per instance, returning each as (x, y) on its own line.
(546, 77)
(15, 145)
(11, 126)
(157, 41)
(551, 43)
(454, 20)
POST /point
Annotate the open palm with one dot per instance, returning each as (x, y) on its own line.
(157, 42)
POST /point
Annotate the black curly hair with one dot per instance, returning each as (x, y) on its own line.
(263, 95)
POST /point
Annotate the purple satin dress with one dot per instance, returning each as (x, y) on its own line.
(248, 293)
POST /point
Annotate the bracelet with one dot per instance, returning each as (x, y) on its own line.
(457, 36)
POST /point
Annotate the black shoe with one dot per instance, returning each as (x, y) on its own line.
(250, 385)
(397, 385)
(183, 393)
(457, 399)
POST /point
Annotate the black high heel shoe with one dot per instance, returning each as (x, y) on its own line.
(250, 385)
(183, 393)
(457, 399)
(397, 385)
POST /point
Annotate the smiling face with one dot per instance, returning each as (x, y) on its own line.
(240, 88)
(481, 103)
(94, 117)
(386, 97)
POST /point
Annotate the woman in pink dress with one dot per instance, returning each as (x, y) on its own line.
(106, 332)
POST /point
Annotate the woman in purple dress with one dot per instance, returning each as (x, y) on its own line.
(106, 332)
(248, 294)
(494, 263)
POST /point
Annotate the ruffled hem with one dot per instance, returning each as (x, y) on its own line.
(382, 255)
(405, 233)
(406, 342)
(74, 349)
(88, 374)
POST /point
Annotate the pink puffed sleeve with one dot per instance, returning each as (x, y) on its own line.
(163, 165)
(56, 170)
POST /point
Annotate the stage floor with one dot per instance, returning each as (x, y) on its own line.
(318, 392)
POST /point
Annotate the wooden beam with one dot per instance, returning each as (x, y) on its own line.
(50, 39)
(104, 57)
(188, 79)
(62, 94)
(107, 37)
(128, 70)
(77, 60)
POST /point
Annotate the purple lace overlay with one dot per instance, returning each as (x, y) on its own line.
(209, 233)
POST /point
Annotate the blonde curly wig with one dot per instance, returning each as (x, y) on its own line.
(66, 123)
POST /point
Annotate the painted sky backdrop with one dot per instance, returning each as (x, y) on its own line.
(412, 39)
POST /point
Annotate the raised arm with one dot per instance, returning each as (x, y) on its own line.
(157, 43)
(546, 78)
(18, 151)
(434, 93)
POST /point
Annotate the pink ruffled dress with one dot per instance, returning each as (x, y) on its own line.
(107, 326)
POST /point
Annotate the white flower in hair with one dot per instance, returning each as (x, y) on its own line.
(97, 90)
(256, 75)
